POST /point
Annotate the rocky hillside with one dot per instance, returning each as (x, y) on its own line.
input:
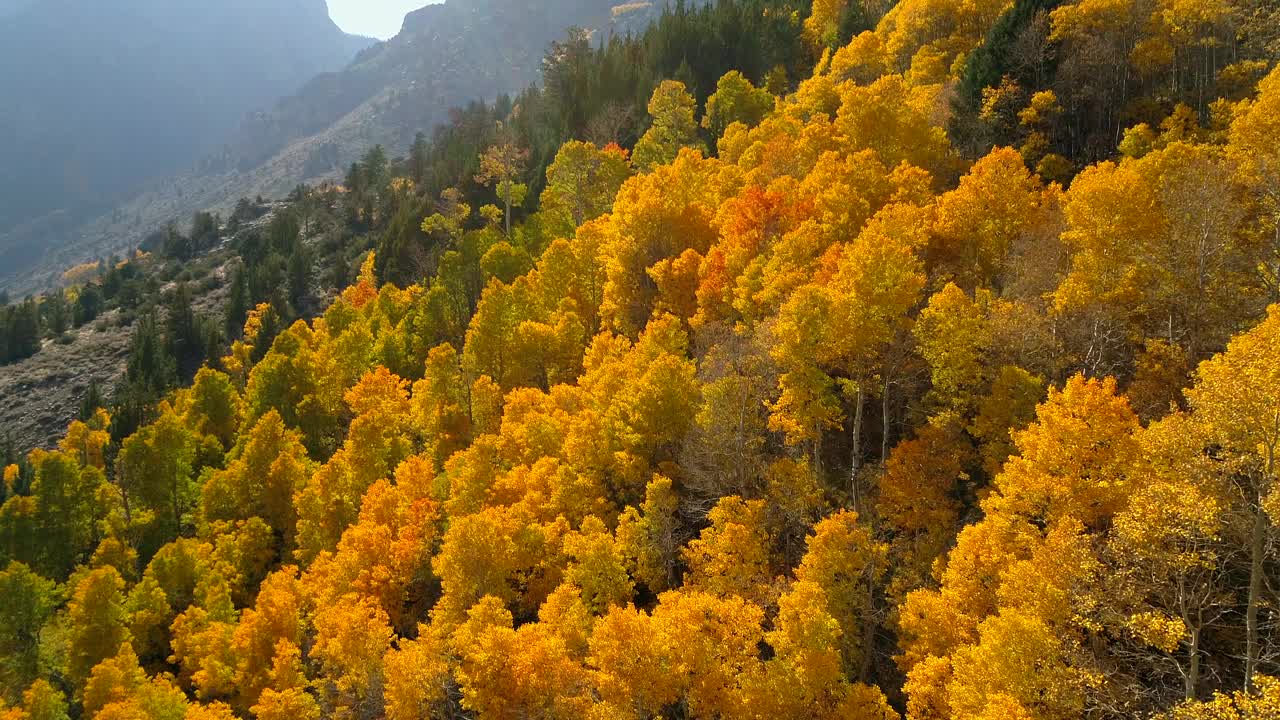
(40, 395)
(42, 392)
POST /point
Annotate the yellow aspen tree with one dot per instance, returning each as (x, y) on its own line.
(672, 109)
(582, 182)
(417, 677)
(952, 336)
(95, 622)
(1237, 396)
(352, 636)
(846, 563)
(732, 556)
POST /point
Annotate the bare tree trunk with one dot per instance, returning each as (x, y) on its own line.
(124, 498)
(1257, 546)
(1193, 670)
(508, 218)
(868, 633)
(1191, 678)
(884, 422)
(855, 464)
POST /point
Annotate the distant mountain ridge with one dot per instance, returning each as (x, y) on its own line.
(97, 98)
(446, 55)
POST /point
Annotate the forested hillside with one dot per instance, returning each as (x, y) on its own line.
(906, 361)
(299, 251)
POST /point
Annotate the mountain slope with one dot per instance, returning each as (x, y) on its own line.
(100, 97)
(445, 56)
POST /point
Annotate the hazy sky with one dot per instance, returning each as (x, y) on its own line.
(376, 18)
